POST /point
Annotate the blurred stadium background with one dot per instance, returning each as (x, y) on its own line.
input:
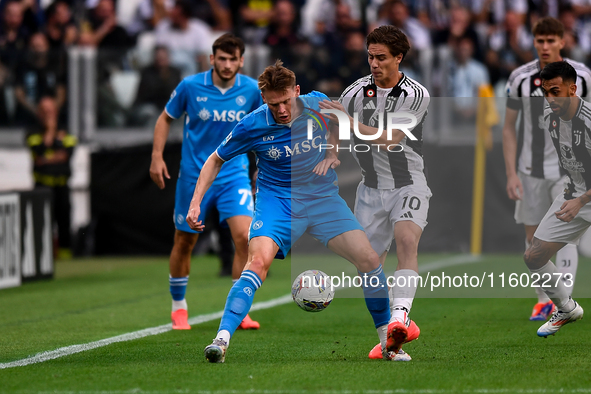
(112, 64)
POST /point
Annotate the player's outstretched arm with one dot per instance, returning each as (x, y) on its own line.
(209, 172)
(331, 157)
(158, 169)
(514, 186)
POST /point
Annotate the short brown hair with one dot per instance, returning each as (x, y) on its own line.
(228, 43)
(548, 26)
(390, 36)
(277, 78)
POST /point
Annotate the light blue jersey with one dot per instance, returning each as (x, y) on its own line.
(285, 156)
(210, 116)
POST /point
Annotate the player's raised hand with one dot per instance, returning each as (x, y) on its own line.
(158, 171)
(569, 210)
(331, 161)
(193, 217)
(330, 104)
(514, 188)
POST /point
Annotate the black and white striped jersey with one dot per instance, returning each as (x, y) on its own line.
(388, 167)
(535, 152)
(572, 141)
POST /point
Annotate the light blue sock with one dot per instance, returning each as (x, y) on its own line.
(239, 301)
(178, 287)
(376, 295)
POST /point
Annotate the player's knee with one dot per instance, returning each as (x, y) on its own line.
(370, 262)
(407, 243)
(373, 259)
(185, 242)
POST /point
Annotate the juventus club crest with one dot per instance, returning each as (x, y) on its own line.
(577, 134)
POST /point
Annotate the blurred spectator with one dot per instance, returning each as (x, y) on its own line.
(510, 46)
(253, 19)
(33, 15)
(5, 118)
(435, 15)
(52, 148)
(113, 42)
(493, 12)
(303, 65)
(188, 39)
(102, 30)
(460, 26)
(395, 12)
(335, 25)
(157, 82)
(148, 15)
(541, 8)
(355, 60)
(59, 29)
(14, 36)
(333, 20)
(283, 32)
(466, 76)
(215, 13)
(574, 41)
(582, 11)
(40, 74)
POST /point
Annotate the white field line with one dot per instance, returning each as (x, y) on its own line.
(73, 349)
(393, 391)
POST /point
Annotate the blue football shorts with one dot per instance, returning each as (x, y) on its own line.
(233, 198)
(285, 220)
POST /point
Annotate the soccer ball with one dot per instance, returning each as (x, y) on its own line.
(311, 291)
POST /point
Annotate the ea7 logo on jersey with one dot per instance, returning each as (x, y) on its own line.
(268, 138)
(201, 99)
(227, 116)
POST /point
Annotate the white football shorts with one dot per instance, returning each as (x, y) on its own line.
(538, 195)
(551, 229)
(377, 210)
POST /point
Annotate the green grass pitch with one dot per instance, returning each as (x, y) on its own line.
(468, 344)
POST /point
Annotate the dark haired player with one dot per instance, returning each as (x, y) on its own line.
(212, 103)
(568, 121)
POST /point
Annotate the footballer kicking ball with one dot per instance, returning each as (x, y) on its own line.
(311, 291)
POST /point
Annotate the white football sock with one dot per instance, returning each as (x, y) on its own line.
(402, 294)
(224, 335)
(567, 261)
(556, 291)
(542, 297)
(383, 335)
(176, 305)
